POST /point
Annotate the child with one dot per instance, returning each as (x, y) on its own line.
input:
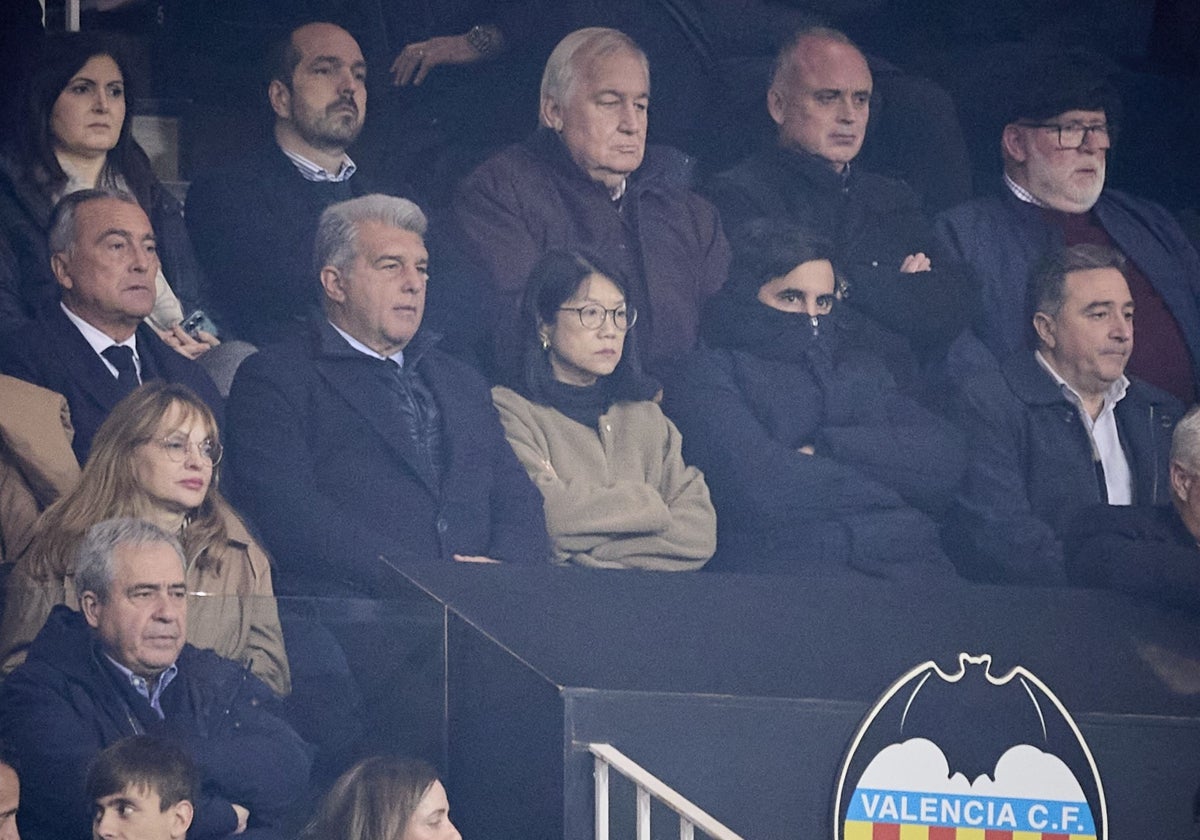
(141, 788)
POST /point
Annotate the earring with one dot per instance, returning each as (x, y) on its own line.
(545, 343)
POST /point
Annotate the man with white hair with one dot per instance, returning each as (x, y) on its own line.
(1055, 142)
(586, 181)
(358, 443)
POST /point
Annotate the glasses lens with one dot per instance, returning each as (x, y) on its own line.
(211, 451)
(592, 316)
(628, 317)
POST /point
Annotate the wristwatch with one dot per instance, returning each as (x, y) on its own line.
(485, 40)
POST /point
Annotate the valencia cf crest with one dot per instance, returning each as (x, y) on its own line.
(969, 756)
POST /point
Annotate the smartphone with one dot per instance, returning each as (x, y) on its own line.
(196, 322)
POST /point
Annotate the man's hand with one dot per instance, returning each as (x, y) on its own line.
(914, 263)
(243, 817)
(185, 345)
(417, 59)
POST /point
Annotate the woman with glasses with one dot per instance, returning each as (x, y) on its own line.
(582, 419)
(816, 460)
(156, 458)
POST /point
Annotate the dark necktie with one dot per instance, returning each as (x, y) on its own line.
(121, 358)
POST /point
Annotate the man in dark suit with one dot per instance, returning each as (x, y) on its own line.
(357, 443)
(252, 222)
(92, 346)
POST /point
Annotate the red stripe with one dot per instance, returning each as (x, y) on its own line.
(885, 831)
(1046, 836)
(993, 834)
(942, 832)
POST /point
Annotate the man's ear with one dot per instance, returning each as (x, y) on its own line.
(1043, 325)
(550, 113)
(89, 605)
(333, 283)
(1181, 481)
(62, 270)
(777, 104)
(181, 818)
(280, 96)
(1012, 143)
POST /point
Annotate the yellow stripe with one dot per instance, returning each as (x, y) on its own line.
(914, 832)
(857, 830)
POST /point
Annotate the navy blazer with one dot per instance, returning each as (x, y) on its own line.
(327, 473)
(51, 352)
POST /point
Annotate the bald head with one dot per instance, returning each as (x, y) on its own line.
(820, 96)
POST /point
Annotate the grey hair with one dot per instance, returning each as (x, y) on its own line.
(1050, 280)
(94, 571)
(62, 218)
(337, 233)
(824, 33)
(1185, 440)
(562, 67)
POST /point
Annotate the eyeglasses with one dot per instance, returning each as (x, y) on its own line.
(177, 449)
(592, 316)
(1074, 135)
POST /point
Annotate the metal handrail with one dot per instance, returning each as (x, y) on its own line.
(691, 816)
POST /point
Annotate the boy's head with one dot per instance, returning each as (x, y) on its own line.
(141, 788)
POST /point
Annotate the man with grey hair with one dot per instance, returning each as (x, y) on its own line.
(586, 181)
(1060, 428)
(358, 443)
(120, 667)
(92, 345)
(1147, 551)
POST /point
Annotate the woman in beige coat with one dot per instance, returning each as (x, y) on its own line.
(155, 457)
(582, 419)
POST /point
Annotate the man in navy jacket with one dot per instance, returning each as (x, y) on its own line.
(92, 346)
(1060, 428)
(120, 667)
(358, 443)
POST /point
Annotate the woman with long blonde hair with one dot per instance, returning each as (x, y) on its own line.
(155, 458)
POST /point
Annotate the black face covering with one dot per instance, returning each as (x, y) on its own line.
(741, 322)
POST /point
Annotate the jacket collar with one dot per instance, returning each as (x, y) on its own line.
(330, 345)
(1030, 381)
(815, 170)
(659, 164)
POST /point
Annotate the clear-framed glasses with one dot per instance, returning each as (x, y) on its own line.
(176, 449)
(592, 316)
(1074, 135)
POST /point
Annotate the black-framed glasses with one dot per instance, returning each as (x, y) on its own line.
(1074, 135)
(592, 316)
(176, 449)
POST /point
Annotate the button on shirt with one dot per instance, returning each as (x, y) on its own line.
(1106, 442)
(101, 342)
(142, 686)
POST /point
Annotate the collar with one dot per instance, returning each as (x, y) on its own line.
(397, 357)
(142, 685)
(815, 168)
(1112, 396)
(1022, 193)
(310, 171)
(332, 342)
(98, 340)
